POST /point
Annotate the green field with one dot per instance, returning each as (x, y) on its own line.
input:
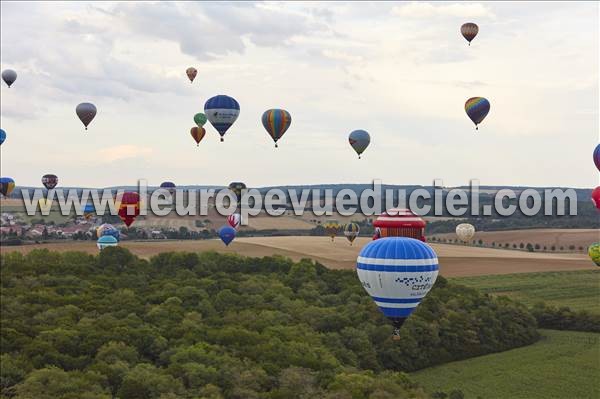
(563, 364)
(579, 290)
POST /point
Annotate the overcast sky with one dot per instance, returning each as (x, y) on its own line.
(401, 71)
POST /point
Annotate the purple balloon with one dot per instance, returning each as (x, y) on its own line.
(86, 113)
(597, 156)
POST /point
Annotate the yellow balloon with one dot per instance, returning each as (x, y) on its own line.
(594, 253)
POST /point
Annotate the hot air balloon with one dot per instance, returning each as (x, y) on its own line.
(465, 232)
(2, 136)
(597, 156)
(49, 181)
(359, 140)
(9, 76)
(227, 234)
(86, 113)
(276, 122)
(88, 211)
(107, 230)
(376, 233)
(477, 109)
(331, 228)
(469, 31)
(169, 186)
(7, 185)
(200, 119)
(237, 187)
(106, 241)
(129, 207)
(351, 231)
(191, 73)
(198, 134)
(45, 204)
(234, 220)
(399, 222)
(594, 253)
(222, 111)
(596, 197)
(397, 272)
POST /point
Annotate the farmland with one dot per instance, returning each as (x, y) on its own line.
(455, 260)
(561, 365)
(579, 290)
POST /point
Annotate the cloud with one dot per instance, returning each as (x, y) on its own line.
(428, 10)
(121, 152)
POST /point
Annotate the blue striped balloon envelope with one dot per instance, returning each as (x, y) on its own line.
(397, 272)
(221, 111)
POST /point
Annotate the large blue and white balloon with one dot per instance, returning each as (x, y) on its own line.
(397, 272)
(221, 111)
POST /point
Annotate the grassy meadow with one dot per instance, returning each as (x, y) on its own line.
(563, 364)
(579, 289)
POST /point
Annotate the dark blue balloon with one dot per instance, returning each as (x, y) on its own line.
(2, 136)
(227, 234)
(221, 111)
(167, 185)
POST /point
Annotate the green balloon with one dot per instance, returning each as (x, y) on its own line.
(200, 119)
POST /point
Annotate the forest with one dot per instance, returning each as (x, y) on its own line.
(188, 325)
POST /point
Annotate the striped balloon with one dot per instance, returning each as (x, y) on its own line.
(222, 111)
(7, 185)
(477, 109)
(397, 272)
(594, 253)
(106, 241)
(276, 122)
(469, 31)
(351, 231)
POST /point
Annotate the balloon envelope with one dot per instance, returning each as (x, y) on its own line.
(465, 231)
(86, 113)
(477, 109)
(108, 230)
(397, 272)
(198, 134)
(191, 73)
(200, 119)
(88, 211)
(9, 76)
(359, 140)
(106, 241)
(597, 156)
(222, 111)
(469, 31)
(129, 207)
(596, 197)
(331, 227)
(594, 253)
(227, 234)
(2, 136)
(7, 185)
(49, 181)
(234, 220)
(351, 231)
(237, 187)
(276, 122)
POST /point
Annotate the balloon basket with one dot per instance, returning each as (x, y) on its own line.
(396, 335)
(222, 140)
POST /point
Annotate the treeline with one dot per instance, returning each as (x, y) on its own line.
(564, 318)
(187, 325)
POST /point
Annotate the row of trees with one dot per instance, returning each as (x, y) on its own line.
(208, 325)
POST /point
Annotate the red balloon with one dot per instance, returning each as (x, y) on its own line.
(596, 197)
(129, 208)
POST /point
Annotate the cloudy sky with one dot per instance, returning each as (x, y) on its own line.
(401, 71)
